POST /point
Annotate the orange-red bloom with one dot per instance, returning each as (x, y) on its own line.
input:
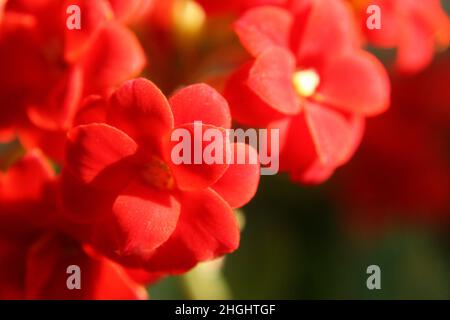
(140, 207)
(416, 28)
(47, 69)
(309, 78)
(37, 247)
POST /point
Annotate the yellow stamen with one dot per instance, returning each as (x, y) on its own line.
(158, 174)
(189, 17)
(306, 82)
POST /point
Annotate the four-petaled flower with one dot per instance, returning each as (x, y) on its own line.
(309, 78)
(140, 207)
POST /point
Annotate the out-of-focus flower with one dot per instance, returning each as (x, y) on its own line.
(402, 169)
(47, 69)
(44, 275)
(310, 79)
(27, 197)
(416, 28)
(36, 246)
(141, 208)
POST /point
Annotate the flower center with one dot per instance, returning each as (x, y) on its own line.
(158, 174)
(306, 82)
(189, 17)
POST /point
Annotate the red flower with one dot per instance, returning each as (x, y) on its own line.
(36, 246)
(27, 197)
(309, 79)
(38, 270)
(57, 67)
(46, 263)
(140, 207)
(415, 27)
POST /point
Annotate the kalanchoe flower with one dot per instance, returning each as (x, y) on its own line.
(54, 67)
(139, 207)
(46, 275)
(416, 28)
(27, 196)
(37, 269)
(37, 247)
(309, 78)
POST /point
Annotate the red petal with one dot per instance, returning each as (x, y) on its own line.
(330, 29)
(113, 283)
(6, 135)
(315, 143)
(46, 277)
(143, 218)
(93, 14)
(93, 148)
(271, 79)
(188, 174)
(263, 27)
(356, 82)
(86, 203)
(27, 178)
(29, 73)
(140, 109)
(415, 46)
(389, 34)
(297, 150)
(100, 162)
(93, 109)
(143, 277)
(27, 197)
(62, 103)
(128, 11)
(239, 183)
(115, 56)
(207, 229)
(246, 107)
(336, 135)
(316, 173)
(46, 265)
(200, 102)
(51, 142)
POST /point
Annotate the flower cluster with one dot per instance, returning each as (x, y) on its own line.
(93, 91)
(310, 78)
